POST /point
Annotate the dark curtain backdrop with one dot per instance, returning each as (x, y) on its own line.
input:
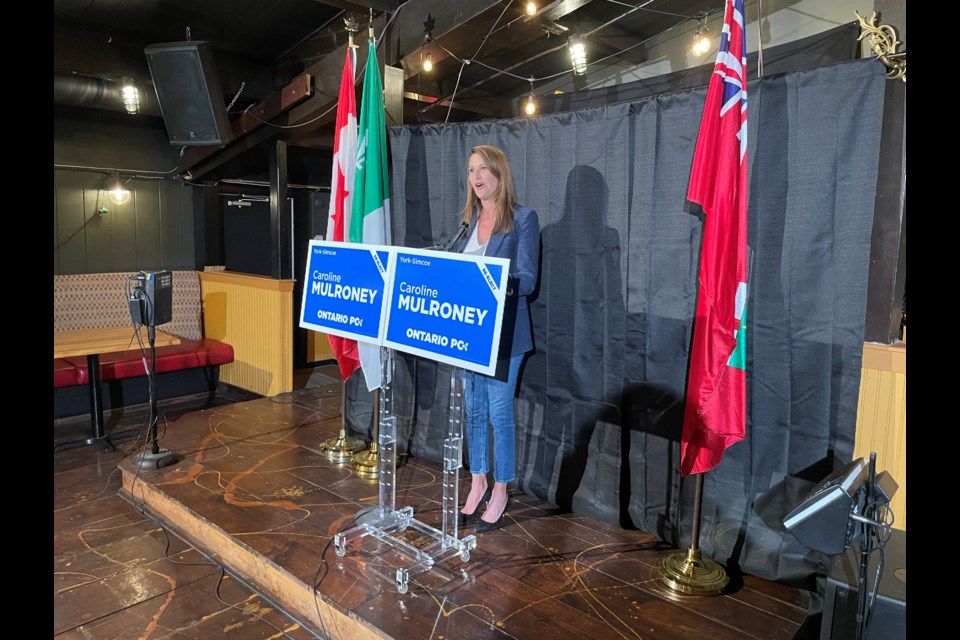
(599, 406)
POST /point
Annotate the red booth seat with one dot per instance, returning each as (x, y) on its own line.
(67, 374)
(88, 300)
(189, 354)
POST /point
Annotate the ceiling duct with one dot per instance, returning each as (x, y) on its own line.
(70, 89)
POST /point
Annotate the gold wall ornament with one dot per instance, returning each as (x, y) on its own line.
(883, 42)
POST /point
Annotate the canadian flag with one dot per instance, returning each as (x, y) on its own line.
(341, 195)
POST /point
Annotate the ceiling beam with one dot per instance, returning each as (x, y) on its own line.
(610, 39)
(558, 9)
(247, 131)
(363, 6)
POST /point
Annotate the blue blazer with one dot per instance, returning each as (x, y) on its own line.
(522, 247)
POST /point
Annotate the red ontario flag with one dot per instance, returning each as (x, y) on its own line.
(715, 411)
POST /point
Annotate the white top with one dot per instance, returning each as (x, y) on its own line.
(473, 247)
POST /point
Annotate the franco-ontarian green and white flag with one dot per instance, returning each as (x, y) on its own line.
(370, 215)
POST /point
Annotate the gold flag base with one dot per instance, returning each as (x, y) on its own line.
(343, 447)
(367, 463)
(691, 575)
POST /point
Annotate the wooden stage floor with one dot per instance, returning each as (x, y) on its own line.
(252, 508)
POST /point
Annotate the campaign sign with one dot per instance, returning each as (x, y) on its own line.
(447, 307)
(343, 289)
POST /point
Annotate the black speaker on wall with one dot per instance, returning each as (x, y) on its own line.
(188, 89)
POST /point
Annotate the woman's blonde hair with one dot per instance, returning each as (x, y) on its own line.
(497, 164)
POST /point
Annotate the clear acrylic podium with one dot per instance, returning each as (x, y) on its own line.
(389, 524)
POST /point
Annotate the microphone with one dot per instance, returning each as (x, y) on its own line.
(462, 231)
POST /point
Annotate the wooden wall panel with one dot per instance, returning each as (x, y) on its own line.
(176, 228)
(131, 237)
(126, 256)
(68, 222)
(145, 210)
(254, 314)
(98, 236)
(882, 418)
(318, 347)
(154, 231)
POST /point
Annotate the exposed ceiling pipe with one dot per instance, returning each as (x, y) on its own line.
(87, 91)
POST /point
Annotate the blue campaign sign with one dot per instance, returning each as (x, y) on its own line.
(447, 307)
(343, 289)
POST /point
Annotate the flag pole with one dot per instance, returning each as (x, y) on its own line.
(715, 405)
(343, 447)
(367, 463)
(689, 573)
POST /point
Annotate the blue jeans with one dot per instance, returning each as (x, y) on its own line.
(489, 400)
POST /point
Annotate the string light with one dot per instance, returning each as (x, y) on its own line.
(578, 58)
(531, 8)
(428, 59)
(531, 107)
(701, 41)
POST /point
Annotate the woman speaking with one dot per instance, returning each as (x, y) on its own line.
(498, 227)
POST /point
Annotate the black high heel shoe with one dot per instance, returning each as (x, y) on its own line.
(464, 519)
(483, 525)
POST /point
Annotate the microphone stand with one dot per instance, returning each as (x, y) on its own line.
(457, 237)
(156, 458)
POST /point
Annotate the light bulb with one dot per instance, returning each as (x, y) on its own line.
(117, 191)
(119, 196)
(704, 43)
(428, 63)
(578, 55)
(701, 41)
(130, 96)
(531, 107)
(531, 8)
